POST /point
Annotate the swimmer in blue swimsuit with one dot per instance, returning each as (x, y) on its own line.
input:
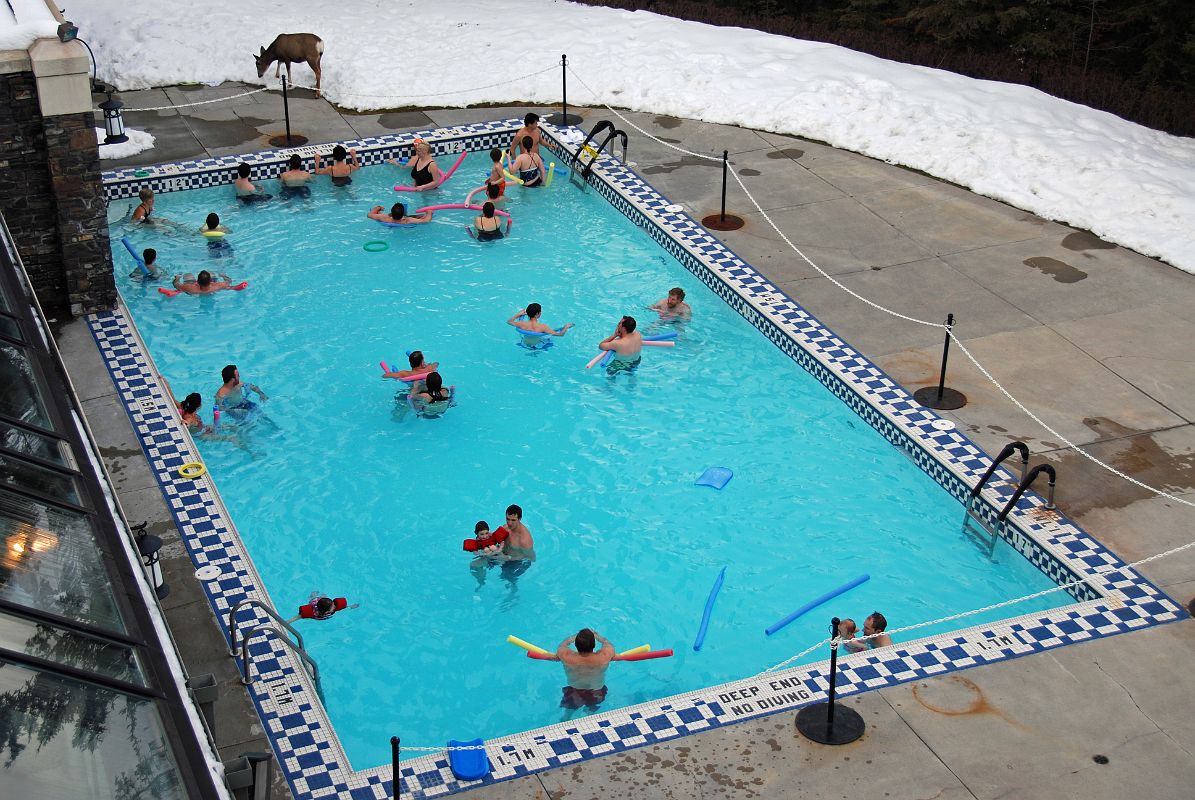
(231, 396)
(529, 165)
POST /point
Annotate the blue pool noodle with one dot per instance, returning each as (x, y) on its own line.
(709, 609)
(660, 337)
(812, 604)
(128, 246)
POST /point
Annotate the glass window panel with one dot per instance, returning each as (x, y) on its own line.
(78, 650)
(51, 562)
(34, 477)
(9, 327)
(75, 741)
(20, 397)
(5, 300)
(30, 443)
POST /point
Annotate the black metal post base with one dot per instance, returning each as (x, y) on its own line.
(812, 723)
(717, 222)
(282, 140)
(563, 120)
(950, 399)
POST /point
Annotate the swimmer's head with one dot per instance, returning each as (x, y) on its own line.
(492, 191)
(513, 513)
(531, 119)
(295, 162)
(434, 383)
(534, 310)
(229, 372)
(146, 194)
(628, 324)
(212, 221)
(495, 154)
(487, 210)
(585, 641)
(676, 295)
(875, 623)
(339, 153)
(416, 358)
(528, 143)
(324, 606)
(398, 211)
(191, 403)
(204, 279)
(420, 146)
(149, 256)
(243, 170)
(482, 529)
(847, 627)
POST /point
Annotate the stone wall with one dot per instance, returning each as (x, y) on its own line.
(51, 195)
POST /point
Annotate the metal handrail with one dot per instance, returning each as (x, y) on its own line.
(246, 666)
(233, 650)
(1008, 450)
(1025, 483)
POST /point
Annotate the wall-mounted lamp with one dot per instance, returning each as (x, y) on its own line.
(67, 31)
(113, 122)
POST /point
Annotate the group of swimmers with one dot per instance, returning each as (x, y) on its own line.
(231, 398)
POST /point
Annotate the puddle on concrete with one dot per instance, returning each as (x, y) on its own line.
(749, 173)
(396, 120)
(216, 134)
(1082, 240)
(788, 152)
(685, 161)
(1058, 270)
(667, 122)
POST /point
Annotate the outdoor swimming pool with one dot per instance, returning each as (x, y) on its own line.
(337, 488)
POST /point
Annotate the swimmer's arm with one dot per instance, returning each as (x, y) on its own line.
(426, 216)
(607, 343)
(562, 651)
(260, 393)
(561, 330)
(353, 155)
(377, 212)
(522, 312)
(321, 170)
(174, 282)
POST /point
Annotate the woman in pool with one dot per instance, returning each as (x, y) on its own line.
(424, 172)
(295, 179)
(488, 227)
(529, 165)
(398, 215)
(188, 409)
(434, 399)
(339, 169)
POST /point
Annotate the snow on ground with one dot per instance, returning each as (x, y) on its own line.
(23, 21)
(1124, 182)
(139, 141)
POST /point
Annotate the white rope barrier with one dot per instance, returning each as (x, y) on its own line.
(441, 93)
(200, 102)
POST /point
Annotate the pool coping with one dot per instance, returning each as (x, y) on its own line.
(1115, 601)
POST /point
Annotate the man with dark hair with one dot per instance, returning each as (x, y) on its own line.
(518, 545)
(201, 284)
(231, 396)
(532, 325)
(418, 366)
(627, 344)
(873, 625)
(530, 129)
(585, 670)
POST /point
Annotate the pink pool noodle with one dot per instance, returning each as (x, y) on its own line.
(450, 206)
(631, 657)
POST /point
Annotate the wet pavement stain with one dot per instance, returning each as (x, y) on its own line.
(685, 161)
(955, 696)
(1082, 240)
(749, 173)
(1058, 270)
(667, 122)
(788, 152)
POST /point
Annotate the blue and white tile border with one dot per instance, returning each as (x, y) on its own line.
(1112, 600)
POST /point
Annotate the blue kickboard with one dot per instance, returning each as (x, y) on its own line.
(716, 477)
(468, 765)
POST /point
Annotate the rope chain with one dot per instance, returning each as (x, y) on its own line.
(438, 94)
(201, 102)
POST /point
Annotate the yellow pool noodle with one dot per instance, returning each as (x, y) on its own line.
(526, 645)
(643, 648)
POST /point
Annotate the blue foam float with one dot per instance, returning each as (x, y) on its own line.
(660, 337)
(812, 604)
(716, 477)
(140, 261)
(468, 765)
(709, 609)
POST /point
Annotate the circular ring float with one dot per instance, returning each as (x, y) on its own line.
(376, 246)
(192, 470)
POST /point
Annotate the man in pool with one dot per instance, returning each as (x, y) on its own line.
(627, 344)
(418, 366)
(873, 626)
(202, 284)
(533, 325)
(530, 129)
(673, 306)
(231, 396)
(585, 670)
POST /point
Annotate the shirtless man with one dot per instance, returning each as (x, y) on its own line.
(626, 342)
(874, 624)
(673, 306)
(203, 284)
(518, 545)
(247, 191)
(231, 396)
(530, 128)
(533, 325)
(418, 366)
(585, 670)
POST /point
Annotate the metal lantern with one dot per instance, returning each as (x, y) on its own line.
(67, 31)
(113, 122)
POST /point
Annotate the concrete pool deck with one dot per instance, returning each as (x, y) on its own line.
(1093, 337)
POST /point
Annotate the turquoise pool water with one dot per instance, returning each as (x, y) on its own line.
(335, 487)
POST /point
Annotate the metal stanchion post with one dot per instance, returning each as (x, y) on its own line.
(564, 118)
(819, 722)
(395, 772)
(722, 222)
(940, 397)
(288, 140)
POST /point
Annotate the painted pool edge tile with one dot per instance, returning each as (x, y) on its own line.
(1113, 599)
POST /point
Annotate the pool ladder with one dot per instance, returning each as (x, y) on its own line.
(987, 533)
(590, 151)
(295, 647)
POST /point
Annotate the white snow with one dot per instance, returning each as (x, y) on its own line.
(1089, 169)
(33, 20)
(139, 141)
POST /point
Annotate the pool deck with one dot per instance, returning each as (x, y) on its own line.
(1094, 338)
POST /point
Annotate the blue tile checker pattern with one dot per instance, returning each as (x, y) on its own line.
(1113, 599)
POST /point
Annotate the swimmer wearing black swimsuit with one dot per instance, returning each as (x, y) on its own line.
(249, 199)
(531, 177)
(341, 180)
(422, 176)
(489, 236)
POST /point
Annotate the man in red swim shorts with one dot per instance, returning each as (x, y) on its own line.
(585, 671)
